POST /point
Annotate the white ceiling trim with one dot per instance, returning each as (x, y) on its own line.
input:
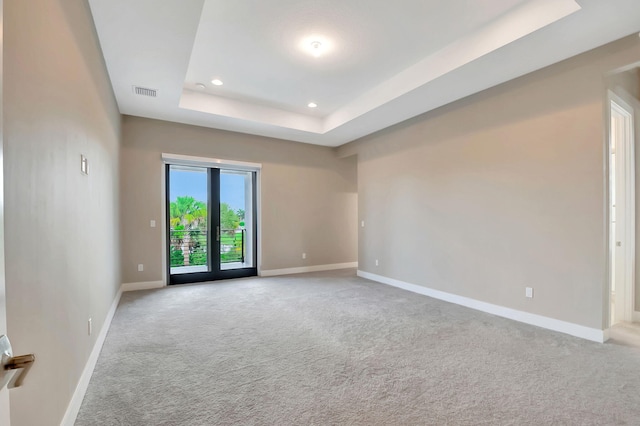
(150, 43)
(518, 23)
(216, 105)
(515, 24)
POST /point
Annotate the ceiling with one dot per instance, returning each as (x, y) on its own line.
(378, 62)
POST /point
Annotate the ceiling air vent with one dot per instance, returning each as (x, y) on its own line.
(143, 91)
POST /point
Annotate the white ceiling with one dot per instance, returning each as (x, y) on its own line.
(384, 62)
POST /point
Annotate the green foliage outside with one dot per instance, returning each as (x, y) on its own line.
(188, 219)
(187, 213)
(228, 218)
(198, 256)
(177, 258)
(230, 246)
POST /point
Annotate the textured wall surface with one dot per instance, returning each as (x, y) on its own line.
(62, 238)
(497, 192)
(309, 198)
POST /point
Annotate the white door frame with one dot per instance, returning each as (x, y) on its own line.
(5, 418)
(189, 160)
(625, 207)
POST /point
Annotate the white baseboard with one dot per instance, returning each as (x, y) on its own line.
(78, 395)
(303, 269)
(576, 330)
(146, 285)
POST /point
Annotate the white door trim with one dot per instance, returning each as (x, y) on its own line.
(188, 160)
(625, 216)
(5, 418)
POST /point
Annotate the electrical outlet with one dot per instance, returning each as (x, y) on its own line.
(152, 223)
(89, 329)
(528, 292)
(377, 263)
(362, 224)
(304, 255)
(140, 267)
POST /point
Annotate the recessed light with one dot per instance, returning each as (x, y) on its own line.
(312, 105)
(200, 86)
(316, 45)
(217, 82)
(316, 48)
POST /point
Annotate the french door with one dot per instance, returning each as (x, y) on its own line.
(211, 223)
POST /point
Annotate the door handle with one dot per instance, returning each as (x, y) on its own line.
(13, 368)
(22, 363)
(217, 233)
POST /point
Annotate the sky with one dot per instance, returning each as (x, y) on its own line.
(194, 184)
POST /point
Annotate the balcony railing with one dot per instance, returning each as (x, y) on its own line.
(190, 247)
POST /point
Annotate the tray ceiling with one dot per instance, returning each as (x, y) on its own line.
(366, 64)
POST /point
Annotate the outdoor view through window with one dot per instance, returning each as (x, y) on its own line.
(190, 198)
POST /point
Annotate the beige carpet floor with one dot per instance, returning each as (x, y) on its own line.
(333, 349)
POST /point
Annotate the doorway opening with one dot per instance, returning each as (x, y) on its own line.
(211, 223)
(621, 211)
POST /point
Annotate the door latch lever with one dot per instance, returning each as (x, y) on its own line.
(13, 369)
(22, 362)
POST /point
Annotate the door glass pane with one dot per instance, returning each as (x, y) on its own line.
(236, 220)
(188, 217)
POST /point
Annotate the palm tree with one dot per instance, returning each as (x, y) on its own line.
(187, 214)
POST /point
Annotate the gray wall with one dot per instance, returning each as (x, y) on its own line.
(499, 191)
(61, 227)
(309, 198)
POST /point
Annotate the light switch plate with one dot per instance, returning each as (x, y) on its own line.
(84, 164)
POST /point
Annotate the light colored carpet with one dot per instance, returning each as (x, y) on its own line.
(331, 348)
